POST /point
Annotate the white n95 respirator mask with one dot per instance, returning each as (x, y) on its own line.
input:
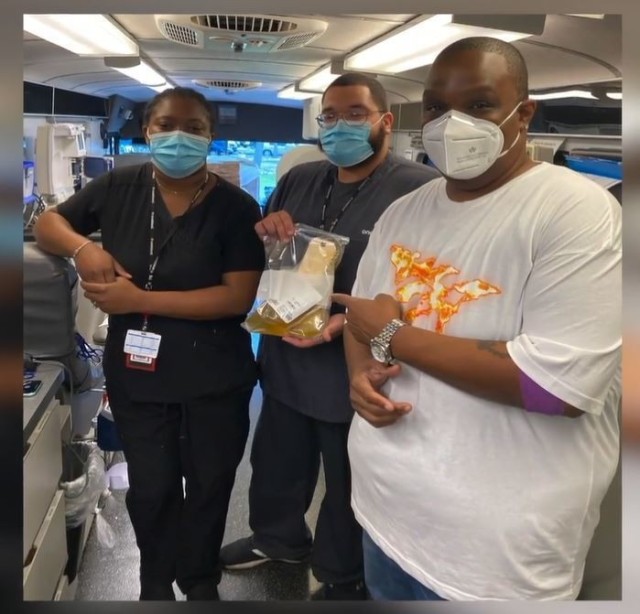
(462, 146)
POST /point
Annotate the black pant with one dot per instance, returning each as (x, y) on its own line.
(179, 536)
(285, 459)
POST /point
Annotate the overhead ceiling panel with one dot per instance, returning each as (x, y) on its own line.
(572, 50)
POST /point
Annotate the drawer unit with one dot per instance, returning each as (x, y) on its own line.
(42, 469)
(64, 590)
(48, 556)
(65, 423)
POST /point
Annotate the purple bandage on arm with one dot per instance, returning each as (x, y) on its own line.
(537, 399)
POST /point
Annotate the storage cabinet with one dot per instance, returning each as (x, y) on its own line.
(46, 425)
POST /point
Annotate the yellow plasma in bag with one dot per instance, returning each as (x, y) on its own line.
(319, 259)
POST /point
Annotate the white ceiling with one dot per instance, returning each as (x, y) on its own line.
(571, 51)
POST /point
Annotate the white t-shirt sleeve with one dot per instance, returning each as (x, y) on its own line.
(570, 342)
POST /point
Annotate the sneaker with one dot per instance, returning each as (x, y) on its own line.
(242, 554)
(345, 591)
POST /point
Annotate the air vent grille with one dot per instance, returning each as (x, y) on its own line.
(181, 34)
(227, 84)
(297, 40)
(244, 23)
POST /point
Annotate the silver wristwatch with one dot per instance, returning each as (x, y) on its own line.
(381, 343)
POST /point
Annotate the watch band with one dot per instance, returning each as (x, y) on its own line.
(383, 339)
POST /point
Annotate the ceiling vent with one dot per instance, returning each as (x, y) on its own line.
(250, 33)
(228, 85)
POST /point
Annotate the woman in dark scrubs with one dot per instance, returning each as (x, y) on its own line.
(177, 272)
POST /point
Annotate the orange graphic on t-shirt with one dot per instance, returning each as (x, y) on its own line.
(424, 277)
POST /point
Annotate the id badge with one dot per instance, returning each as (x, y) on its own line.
(144, 363)
(141, 349)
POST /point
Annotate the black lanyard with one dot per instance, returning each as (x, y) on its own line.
(327, 198)
(153, 260)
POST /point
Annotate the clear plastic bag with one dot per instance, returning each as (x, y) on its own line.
(82, 494)
(106, 536)
(295, 289)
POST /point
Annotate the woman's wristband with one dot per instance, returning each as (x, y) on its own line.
(78, 249)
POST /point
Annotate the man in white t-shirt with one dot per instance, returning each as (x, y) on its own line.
(481, 458)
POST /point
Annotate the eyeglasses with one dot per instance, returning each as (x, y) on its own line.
(354, 117)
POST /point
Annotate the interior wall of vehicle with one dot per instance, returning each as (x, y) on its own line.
(253, 122)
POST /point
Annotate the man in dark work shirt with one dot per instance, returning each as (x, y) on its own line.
(306, 411)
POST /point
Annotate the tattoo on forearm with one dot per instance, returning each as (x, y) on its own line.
(493, 347)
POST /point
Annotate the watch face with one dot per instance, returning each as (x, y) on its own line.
(379, 353)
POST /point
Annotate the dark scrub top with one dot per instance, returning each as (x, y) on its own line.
(196, 358)
(314, 380)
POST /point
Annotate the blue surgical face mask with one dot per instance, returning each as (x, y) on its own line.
(178, 154)
(346, 145)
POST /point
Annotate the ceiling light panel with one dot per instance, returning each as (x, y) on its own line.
(86, 35)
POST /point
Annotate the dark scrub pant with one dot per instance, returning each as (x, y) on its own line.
(179, 536)
(285, 459)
